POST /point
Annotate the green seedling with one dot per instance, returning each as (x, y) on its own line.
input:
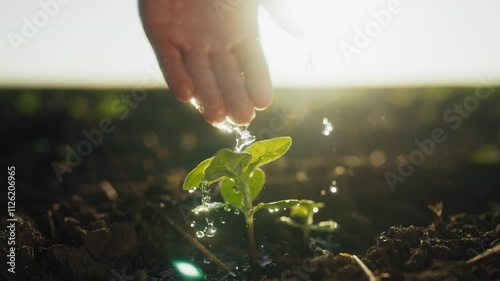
(241, 180)
(302, 216)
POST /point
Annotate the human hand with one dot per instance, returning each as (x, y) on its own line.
(203, 56)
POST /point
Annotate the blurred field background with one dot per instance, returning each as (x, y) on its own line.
(160, 139)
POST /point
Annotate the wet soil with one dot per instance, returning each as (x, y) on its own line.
(111, 217)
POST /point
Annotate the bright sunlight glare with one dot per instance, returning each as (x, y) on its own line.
(188, 270)
(308, 43)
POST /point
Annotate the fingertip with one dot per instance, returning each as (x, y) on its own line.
(260, 92)
(214, 115)
(183, 93)
(243, 117)
(261, 97)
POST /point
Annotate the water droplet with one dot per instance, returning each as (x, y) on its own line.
(262, 246)
(315, 210)
(206, 203)
(323, 192)
(243, 139)
(271, 211)
(193, 223)
(333, 189)
(210, 231)
(327, 127)
(195, 103)
(222, 220)
(192, 190)
(243, 136)
(227, 208)
(206, 260)
(236, 211)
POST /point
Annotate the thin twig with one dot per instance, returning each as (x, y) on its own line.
(365, 268)
(484, 255)
(197, 244)
(51, 224)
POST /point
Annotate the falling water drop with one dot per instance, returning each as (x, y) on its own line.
(195, 103)
(210, 229)
(206, 201)
(327, 127)
(243, 136)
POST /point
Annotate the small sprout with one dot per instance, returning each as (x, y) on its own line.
(437, 209)
(366, 270)
(301, 216)
(241, 180)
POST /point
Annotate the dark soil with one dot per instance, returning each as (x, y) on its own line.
(112, 216)
(131, 239)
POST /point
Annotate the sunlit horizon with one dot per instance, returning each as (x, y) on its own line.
(94, 44)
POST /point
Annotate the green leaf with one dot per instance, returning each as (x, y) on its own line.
(290, 222)
(257, 179)
(324, 226)
(227, 188)
(305, 207)
(194, 177)
(227, 163)
(227, 192)
(299, 211)
(277, 205)
(266, 151)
